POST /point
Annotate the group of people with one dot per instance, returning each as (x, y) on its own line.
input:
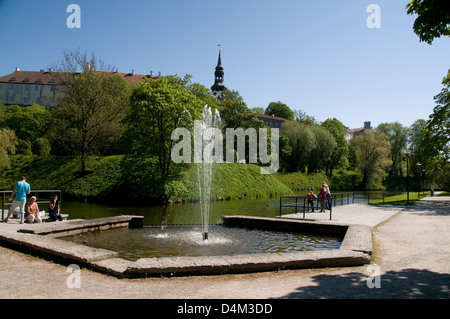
(324, 198)
(30, 210)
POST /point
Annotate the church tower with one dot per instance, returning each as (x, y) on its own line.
(218, 86)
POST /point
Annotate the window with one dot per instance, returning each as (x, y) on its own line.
(36, 87)
(25, 100)
(38, 100)
(51, 81)
(11, 99)
(13, 79)
(26, 80)
(26, 88)
(39, 80)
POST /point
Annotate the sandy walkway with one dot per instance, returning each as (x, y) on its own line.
(411, 251)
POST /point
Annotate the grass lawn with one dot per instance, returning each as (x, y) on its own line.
(399, 199)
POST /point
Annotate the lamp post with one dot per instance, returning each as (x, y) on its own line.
(418, 165)
(406, 158)
(423, 180)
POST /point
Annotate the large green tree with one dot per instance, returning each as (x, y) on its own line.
(398, 137)
(157, 108)
(438, 135)
(339, 156)
(372, 151)
(92, 105)
(311, 147)
(279, 109)
(91, 113)
(439, 122)
(433, 19)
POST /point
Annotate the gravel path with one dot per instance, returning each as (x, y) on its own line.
(411, 253)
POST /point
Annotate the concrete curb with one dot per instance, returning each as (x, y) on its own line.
(355, 249)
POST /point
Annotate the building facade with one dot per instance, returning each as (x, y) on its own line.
(25, 88)
(352, 132)
(271, 121)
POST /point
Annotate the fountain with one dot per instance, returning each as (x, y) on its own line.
(242, 244)
(207, 128)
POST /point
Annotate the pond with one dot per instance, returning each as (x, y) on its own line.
(132, 244)
(186, 213)
(175, 230)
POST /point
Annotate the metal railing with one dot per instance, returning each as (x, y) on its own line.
(301, 201)
(328, 203)
(35, 192)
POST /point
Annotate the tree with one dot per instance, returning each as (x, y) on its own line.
(421, 150)
(90, 114)
(280, 109)
(324, 146)
(157, 108)
(8, 142)
(301, 116)
(398, 137)
(372, 150)
(339, 156)
(257, 110)
(438, 126)
(301, 141)
(433, 19)
(29, 123)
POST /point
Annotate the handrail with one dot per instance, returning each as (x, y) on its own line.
(33, 192)
(348, 196)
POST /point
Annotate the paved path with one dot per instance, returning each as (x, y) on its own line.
(411, 253)
(370, 215)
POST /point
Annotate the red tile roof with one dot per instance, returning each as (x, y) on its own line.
(48, 78)
(271, 117)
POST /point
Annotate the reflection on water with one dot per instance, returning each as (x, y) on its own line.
(187, 213)
(132, 244)
(185, 240)
(175, 214)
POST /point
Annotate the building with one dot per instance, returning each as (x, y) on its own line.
(218, 86)
(25, 88)
(352, 132)
(271, 121)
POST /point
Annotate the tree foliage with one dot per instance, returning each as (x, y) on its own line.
(439, 122)
(433, 19)
(8, 142)
(91, 113)
(339, 156)
(372, 150)
(398, 137)
(311, 147)
(280, 109)
(159, 106)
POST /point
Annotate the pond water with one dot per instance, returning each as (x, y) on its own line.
(187, 213)
(175, 230)
(132, 244)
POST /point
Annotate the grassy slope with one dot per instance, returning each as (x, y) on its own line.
(106, 175)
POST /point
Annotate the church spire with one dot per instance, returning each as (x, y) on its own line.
(218, 85)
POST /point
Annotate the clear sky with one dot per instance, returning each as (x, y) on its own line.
(317, 56)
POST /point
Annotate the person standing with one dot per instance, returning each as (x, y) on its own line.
(328, 202)
(20, 192)
(323, 197)
(311, 197)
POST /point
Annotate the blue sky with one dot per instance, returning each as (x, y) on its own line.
(316, 56)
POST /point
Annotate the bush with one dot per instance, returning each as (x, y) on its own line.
(41, 147)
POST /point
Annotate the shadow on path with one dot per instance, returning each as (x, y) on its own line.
(404, 284)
